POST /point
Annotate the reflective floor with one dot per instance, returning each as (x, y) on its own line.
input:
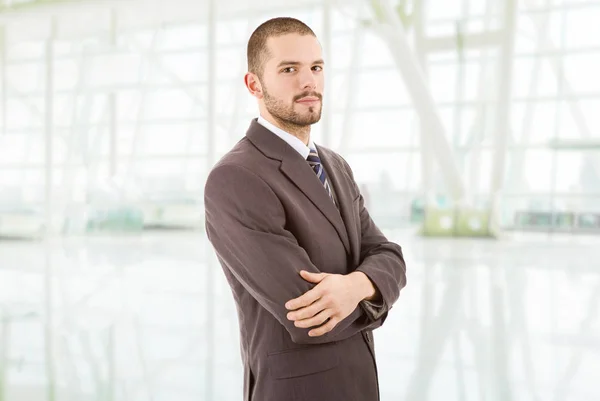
(150, 317)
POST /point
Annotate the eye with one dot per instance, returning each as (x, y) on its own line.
(288, 69)
(318, 68)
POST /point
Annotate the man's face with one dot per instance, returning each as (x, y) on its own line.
(292, 79)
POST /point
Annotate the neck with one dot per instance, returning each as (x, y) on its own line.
(301, 132)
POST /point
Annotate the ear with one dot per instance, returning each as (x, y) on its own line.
(253, 84)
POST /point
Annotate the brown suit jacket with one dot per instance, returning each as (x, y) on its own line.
(268, 216)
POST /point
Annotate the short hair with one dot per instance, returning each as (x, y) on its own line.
(257, 51)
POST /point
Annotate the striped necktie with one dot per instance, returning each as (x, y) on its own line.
(315, 162)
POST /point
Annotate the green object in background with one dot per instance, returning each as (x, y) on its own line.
(589, 220)
(122, 219)
(438, 222)
(564, 220)
(417, 211)
(473, 223)
(456, 223)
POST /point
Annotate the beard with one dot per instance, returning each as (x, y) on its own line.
(287, 116)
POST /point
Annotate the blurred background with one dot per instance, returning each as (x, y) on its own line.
(472, 127)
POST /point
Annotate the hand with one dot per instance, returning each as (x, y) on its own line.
(334, 297)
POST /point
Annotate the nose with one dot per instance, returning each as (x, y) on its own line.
(307, 79)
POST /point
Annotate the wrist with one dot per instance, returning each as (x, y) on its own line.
(364, 287)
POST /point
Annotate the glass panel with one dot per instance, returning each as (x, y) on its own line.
(581, 72)
(582, 28)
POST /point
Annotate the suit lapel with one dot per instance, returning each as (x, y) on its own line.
(298, 171)
(345, 197)
(303, 176)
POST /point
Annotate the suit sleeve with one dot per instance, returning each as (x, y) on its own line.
(245, 223)
(381, 260)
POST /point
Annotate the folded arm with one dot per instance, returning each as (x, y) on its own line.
(382, 261)
(245, 222)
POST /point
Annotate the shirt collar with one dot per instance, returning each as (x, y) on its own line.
(290, 139)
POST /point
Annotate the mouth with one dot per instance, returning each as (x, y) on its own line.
(308, 100)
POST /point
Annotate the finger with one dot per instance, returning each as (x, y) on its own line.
(308, 298)
(308, 311)
(316, 320)
(326, 328)
(312, 277)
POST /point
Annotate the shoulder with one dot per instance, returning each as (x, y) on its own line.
(243, 157)
(242, 170)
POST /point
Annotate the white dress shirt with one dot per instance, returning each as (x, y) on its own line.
(291, 140)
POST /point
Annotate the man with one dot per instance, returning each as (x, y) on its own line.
(310, 272)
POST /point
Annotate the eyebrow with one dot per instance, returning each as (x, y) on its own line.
(286, 62)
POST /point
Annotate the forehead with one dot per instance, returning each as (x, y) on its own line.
(293, 47)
